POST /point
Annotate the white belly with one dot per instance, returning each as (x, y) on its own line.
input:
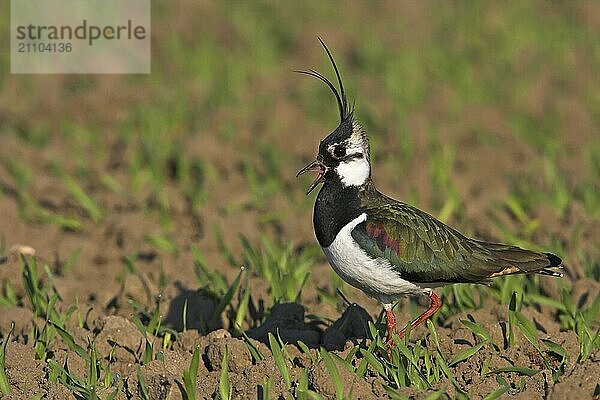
(375, 277)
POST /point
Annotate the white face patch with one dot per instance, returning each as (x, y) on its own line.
(354, 172)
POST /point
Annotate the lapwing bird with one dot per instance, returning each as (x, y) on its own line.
(389, 249)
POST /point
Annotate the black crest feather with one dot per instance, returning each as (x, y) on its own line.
(340, 95)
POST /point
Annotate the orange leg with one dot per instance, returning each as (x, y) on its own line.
(436, 303)
(390, 323)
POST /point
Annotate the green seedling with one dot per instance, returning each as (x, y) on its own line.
(334, 373)
(115, 394)
(85, 201)
(580, 320)
(190, 375)
(264, 389)
(303, 392)
(225, 388)
(42, 339)
(162, 242)
(437, 395)
(394, 393)
(559, 352)
(43, 305)
(588, 341)
(528, 330)
(346, 362)
(278, 349)
(478, 330)
(94, 368)
(332, 293)
(55, 372)
(242, 308)
(257, 355)
(591, 266)
(82, 387)
(302, 389)
(496, 394)
(225, 301)
(286, 271)
(142, 387)
(4, 384)
(264, 180)
(407, 364)
(466, 354)
(29, 207)
(7, 296)
(226, 253)
(36, 293)
(130, 268)
(512, 308)
(442, 159)
(63, 268)
(213, 280)
(307, 351)
(148, 354)
(68, 339)
(111, 183)
(154, 326)
(184, 315)
(153, 320)
(195, 172)
(458, 298)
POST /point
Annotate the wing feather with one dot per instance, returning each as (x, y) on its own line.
(425, 250)
(421, 248)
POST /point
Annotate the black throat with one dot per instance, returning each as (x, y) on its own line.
(336, 205)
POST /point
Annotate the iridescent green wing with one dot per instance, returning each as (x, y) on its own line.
(421, 248)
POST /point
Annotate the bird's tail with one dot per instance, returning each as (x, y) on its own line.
(552, 269)
(515, 260)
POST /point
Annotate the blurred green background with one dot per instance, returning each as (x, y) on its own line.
(484, 113)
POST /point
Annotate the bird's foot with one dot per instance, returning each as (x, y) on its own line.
(436, 303)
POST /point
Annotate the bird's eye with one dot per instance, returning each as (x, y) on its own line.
(339, 151)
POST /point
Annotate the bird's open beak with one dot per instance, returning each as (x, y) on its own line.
(315, 166)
